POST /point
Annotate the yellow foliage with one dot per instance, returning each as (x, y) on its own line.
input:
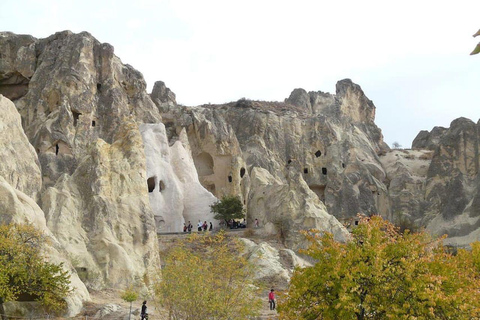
(206, 278)
(383, 274)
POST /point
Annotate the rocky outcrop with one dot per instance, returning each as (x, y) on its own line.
(19, 183)
(322, 147)
(428, 139)
(80, 109)
(19, 164)
(273, 267)
(176, 195)
(442, 193)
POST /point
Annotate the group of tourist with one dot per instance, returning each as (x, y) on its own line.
(200, 226)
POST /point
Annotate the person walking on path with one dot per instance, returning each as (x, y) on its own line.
(143, 314)
(256, 223)
(189, 227)
(271, 300)
(199, 226)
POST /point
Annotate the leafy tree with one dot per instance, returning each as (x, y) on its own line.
(229, 207)
(24, 273)
(206, 278)
(129, 295)
(383, 274)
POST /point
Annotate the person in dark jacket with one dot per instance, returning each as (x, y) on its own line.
(143, 314)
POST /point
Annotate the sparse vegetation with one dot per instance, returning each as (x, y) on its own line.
(396, 145)
(129, 295)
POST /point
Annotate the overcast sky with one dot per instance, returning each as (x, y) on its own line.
(410, 57)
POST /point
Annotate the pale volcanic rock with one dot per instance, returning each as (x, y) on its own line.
(406, 174)
(102, 212)
(325, 143)
(19, 163)
(80, 109)
(176, 195)
(77, 92)
(273, 266)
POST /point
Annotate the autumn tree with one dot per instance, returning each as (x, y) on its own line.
(206, 278)
(382, 274)
(229, 207)
(24, 273)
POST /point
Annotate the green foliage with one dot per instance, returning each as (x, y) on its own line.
(24, 272)
(383, 274)
(229, 207)
(205, 278)
(129, 295)
(477, 48)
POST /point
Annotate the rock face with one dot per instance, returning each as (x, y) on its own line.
(175, 193)
(442, 194)
(80, 109)
(20, 181)
(298, 161)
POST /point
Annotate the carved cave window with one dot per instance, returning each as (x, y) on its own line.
(242, 172)
(305, 170)
(324, 170)
(343, 165)
(318, 153)
(56, 149)
(76, 116)
(151, 184)
(93, 123)
(230, 179)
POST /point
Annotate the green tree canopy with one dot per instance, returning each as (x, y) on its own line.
(229, 207)
(477, 48)
(383, 274)
(24, 273)
(206, 278)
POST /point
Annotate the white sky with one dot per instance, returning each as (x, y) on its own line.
(410, 57)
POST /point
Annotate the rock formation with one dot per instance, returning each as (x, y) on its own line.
(80, 109)
(20, 180)
(176, 195)
(101, 166)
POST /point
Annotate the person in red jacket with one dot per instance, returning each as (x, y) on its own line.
(271, 300)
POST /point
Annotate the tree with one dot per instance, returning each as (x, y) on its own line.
(206, 278)
(129, 295)
(382, 274)
(396, 145)
(230, 207)
(24, 273)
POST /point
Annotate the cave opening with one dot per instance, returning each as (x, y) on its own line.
(230, 179)
(93, 123)
(57, 148)
(76, 116)
(305, 170)
(318, 153)
(324, 170)
(151, 184)
(242, 172)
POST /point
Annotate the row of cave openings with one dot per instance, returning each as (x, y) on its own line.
(151, 184)
(242, 173)
(76, 116)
